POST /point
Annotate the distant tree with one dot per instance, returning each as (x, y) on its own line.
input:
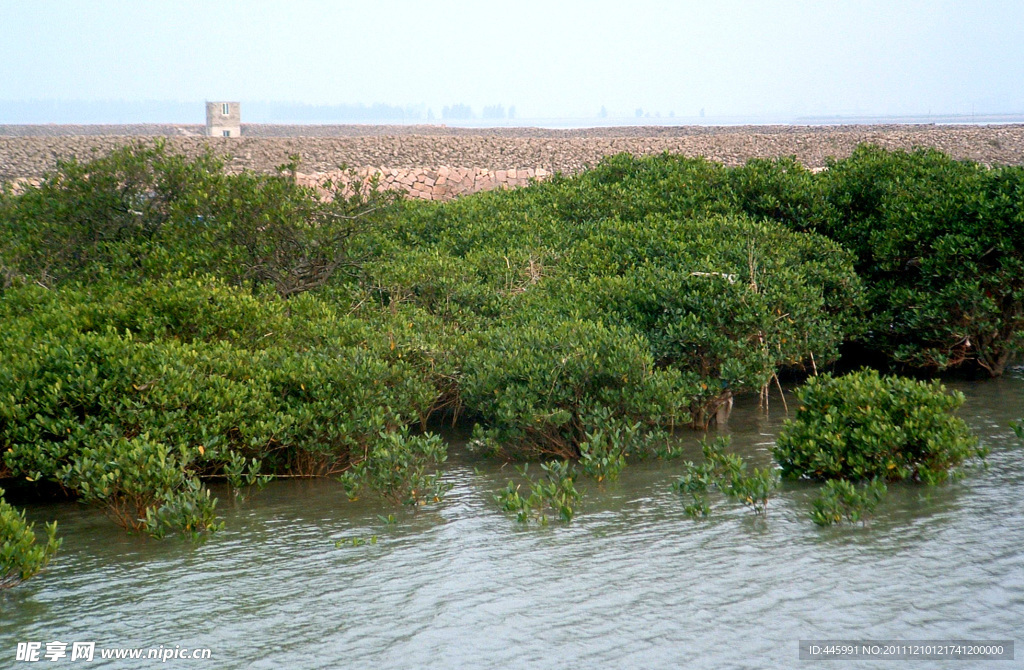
(604, 112)
(494, 112)
(639, 112)
(511, 111)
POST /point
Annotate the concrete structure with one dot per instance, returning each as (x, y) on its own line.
(224, 119)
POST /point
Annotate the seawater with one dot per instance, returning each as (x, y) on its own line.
(631, 582)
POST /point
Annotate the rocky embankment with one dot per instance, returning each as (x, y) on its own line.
(30, 151)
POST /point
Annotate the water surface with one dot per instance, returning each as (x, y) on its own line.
(631, 582)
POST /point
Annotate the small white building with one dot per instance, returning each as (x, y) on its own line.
(223, 119)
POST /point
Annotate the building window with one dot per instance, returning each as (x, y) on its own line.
(227, 133)
(224, 109)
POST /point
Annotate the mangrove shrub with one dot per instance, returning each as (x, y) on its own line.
(543, 388)
(637, 287)
(141, 212)
(554, 491)
(940, 246)
(863, 426)
(130, 402)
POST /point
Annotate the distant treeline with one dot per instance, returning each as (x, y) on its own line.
(194, 112)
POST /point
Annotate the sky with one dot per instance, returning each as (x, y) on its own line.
(549, 58)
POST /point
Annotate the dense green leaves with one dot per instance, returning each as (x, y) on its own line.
(863, 426)
(940, 245)
(166, 322)
(639, 286)
(861, 430)
(140, 212)
(106, 215)
(535, 387)
(142, 484)
(396, 466)
(128, 402)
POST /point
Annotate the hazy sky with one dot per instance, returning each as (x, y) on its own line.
(548, 58)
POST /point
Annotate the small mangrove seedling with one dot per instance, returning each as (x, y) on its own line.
(21, 555)
(727, 473)
(396, 466)
(840, 499)
(243, 474)
(555, 491)
(603, 450)
(190, 511)
(610, 440)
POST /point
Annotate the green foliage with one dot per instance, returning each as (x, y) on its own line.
(641, 277)
(1019, 428)
(268, 231)
(863, 426)
(604, 447)
(781, 190)
(396, 467)
(141, 483)
(728, 474)
(571, 318)
(610, 440)
(102, 214)
(840, 499)
(126, 403)
(556, 491)
(141, 212)
(244, 474)
(21, 554)
(541, 388)
(940, 245)
(189, 509)
(724, 301)
(165, 322)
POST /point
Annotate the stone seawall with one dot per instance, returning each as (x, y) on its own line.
(425, 149)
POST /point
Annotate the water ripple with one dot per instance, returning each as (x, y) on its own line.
(632, 582)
